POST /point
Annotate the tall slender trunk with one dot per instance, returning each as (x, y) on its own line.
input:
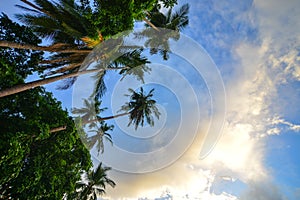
(52, 48)
(64, 127)
(53, 61)
(55, 48)
(150, 24)
(105, 118)
(113, 116)
(26, 86)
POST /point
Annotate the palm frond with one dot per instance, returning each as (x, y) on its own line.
(141, 107)
(28, 9)
(67, 83)
(100, 87)
(101, 133)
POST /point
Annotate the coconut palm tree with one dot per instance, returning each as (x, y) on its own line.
(158, 42)
(142, 11)
(141, 107)
(95, 183)
(101, 133)
(169, 25)
(68, 25)
(60, 21)
(136, 64)
(89, 112)
(176, 21)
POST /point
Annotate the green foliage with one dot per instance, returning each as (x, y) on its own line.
(112, 17)
(169, 3)
(35, 163)
(59, 21)
(171, 20)
(25, 60)
(68, 22)
(170, 23)
(141, 7)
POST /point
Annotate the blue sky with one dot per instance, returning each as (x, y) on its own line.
(255, 47)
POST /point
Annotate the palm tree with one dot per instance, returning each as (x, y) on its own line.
(61, 22)
(136, 64)
(158, 41)
(95, 184)
(171, 20)
(170, 24)
(101, 133)
(142, 11)
(141, 107)
(89, 112)
(64, 24)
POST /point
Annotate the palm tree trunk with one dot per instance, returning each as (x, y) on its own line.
(54, 48)
(150, 24)
(41, 48)
(26, 86)
(53, 61)
(112, 117)
(105, 118)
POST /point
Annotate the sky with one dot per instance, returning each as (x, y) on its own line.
(229, 100)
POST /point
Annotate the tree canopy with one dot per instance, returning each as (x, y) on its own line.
(35, 163)
(26, 60)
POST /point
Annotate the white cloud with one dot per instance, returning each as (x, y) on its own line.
(281, 124)
(279, 31)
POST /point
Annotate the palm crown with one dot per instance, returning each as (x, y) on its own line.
(170, 24)
(141, 107)
(95, 184)
(171, 20)
(101, 133)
